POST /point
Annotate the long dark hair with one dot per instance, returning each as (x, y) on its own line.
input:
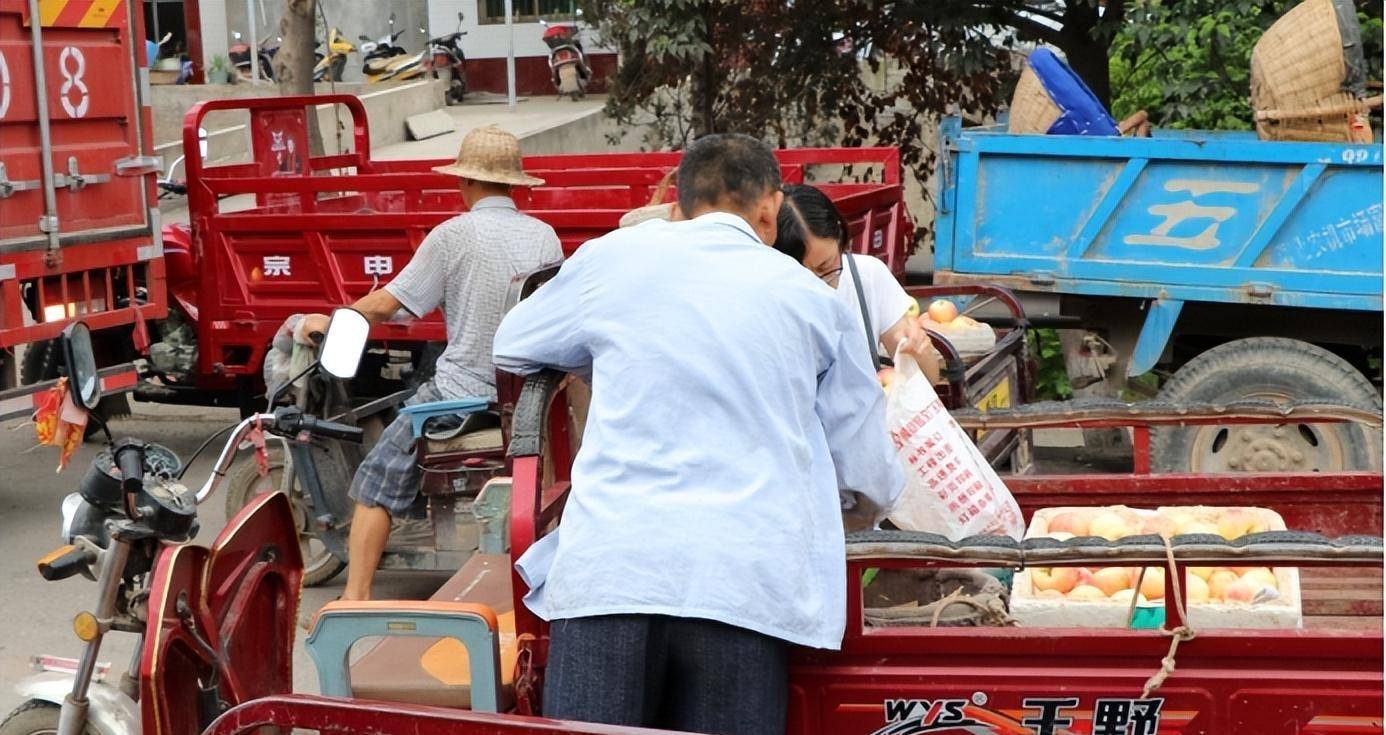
(807, 211)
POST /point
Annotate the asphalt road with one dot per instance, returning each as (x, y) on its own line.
(35, 616)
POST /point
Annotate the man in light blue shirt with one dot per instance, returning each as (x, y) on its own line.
(732, 399)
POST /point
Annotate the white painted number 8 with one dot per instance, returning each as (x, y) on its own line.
(73, 78)
(4, 86)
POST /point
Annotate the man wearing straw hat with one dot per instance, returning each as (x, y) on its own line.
(464, 267)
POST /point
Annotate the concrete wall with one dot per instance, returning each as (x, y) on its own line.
(491, 41)
(386, 109)
(353, 18)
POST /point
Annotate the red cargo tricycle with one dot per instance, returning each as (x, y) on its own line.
(460, 649)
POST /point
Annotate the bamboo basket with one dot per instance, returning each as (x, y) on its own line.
(1032, 111)
(1297, 74)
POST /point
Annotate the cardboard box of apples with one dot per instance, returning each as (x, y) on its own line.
(1216, 597)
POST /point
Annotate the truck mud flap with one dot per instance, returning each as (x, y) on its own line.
(22, 401)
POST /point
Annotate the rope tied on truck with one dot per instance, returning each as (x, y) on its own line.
(1179, 634)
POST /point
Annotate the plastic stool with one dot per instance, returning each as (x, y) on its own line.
(341, 624)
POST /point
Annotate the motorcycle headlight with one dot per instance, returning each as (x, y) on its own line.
(71, 504)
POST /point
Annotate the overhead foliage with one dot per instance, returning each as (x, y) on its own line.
(1188, 62)
(852, 72)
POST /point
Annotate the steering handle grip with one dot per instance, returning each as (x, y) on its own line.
(130, 460)
(334, 430)
(70, 561)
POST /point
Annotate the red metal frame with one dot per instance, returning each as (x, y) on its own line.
(1227, 681)
(353, 207)
(352, 716)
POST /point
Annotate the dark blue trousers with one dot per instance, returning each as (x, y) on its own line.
(674, 673)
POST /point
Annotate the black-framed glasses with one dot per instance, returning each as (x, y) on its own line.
(833, 276)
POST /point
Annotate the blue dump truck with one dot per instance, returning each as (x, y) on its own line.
(1230, 266)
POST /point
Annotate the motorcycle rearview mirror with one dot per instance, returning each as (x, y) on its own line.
(342, 345)
(362, 37)
(84, 383)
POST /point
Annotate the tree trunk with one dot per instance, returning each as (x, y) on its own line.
(293, 64)
(1086, 40)
(1088, 57)
(706, 89)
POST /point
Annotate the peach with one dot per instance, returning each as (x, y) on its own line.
(1112, 580)
(1202, 573)
(887, 377)
(1197, 526)
(913, 309)
(1264, 577)
(943, 311)
(1159, 525)
(1238, 522)
(1060, 535)
(1086, 593)
(1071, 521)
(1242, 590)
(1049, 594)
(1109, 525)
(1219, 582)
(1124, 597)
(1195, 589)
(1062, 579)
(1153, 585)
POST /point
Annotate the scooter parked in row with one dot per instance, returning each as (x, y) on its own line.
(329, 66)
(215, 624)
(240, 57)
(446, 60)
(567, 61)
(385, 60)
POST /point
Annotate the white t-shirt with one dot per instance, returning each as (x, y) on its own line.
(886, 299)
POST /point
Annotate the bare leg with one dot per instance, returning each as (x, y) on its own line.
(370, 529)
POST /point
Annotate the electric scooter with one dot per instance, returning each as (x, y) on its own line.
(567, 61)
(446, 60)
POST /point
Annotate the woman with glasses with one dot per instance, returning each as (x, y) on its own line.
(813, 232)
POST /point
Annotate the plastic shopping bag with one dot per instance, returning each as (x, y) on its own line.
(950, 489)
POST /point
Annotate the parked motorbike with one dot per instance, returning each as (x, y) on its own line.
(446, 60)
(567, 61)
(331, 65)
(240, 56)
(214, 624)
(384, 60)
(169, 186)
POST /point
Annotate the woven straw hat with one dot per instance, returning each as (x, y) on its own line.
(490, 154)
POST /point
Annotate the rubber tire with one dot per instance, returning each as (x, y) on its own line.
(244, 476)
(1240, 368)
(36, 717)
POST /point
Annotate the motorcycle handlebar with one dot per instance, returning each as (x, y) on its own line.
(130, 460)
(332, 429)
(66, 564)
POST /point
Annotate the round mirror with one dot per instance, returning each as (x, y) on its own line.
(344, 342)
(82, 379)
(459, 16)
